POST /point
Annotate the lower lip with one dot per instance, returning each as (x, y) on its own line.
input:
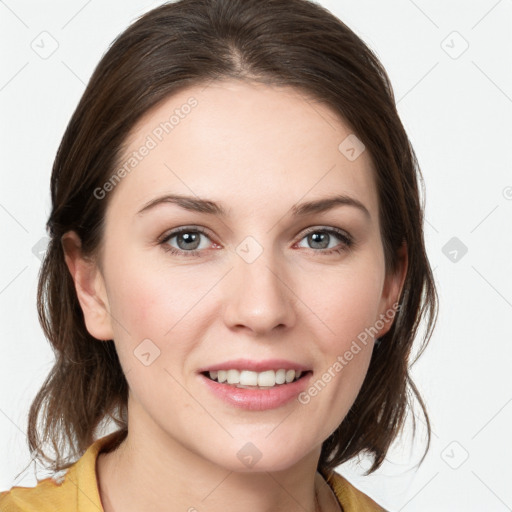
(257, 399)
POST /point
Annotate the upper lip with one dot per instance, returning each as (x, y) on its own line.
(255, 366)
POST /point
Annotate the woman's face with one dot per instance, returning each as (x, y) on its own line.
(285, 278)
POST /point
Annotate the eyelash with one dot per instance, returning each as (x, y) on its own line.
(345, 238)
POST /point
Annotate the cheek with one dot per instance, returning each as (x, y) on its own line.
(345, 305)
(136, 301)
(148, 302)
(343, 301)
(349, 311)
(162, 305)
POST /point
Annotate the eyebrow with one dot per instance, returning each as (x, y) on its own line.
(196, 204)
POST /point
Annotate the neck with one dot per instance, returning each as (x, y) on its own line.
(150, 471)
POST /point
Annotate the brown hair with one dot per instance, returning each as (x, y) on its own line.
(189, 42)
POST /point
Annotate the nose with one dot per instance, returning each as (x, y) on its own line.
(258, 296)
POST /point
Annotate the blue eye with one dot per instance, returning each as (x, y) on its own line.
(188, 240)
(319, 237)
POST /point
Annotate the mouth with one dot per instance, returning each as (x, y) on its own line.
(248, 379)
(256, 385)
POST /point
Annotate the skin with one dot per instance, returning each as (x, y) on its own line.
(258, 150)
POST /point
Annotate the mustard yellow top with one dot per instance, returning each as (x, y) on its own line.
(78, 490)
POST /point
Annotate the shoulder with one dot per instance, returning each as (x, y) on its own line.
(351, 498)
(76, 490)
(46, 495)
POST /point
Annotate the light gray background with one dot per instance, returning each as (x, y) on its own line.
(456, 104)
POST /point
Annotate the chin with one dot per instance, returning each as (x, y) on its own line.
(257, 457)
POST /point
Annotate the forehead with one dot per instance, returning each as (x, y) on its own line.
(244, 144)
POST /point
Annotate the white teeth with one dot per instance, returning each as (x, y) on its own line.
(267, 378)
(233, 377)
(248, 378)
(280, 376)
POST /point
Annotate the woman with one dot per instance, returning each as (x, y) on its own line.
(242, 370)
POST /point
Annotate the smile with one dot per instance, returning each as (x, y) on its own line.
(250, 379)
(255, 397)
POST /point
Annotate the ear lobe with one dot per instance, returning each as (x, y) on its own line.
(393, 287)
(89, 286)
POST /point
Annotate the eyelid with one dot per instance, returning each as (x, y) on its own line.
(176, 231)
(346, 239)
(329, 229)
(313, 229)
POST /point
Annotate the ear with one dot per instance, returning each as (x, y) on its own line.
(392, 290)
(89, 286)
